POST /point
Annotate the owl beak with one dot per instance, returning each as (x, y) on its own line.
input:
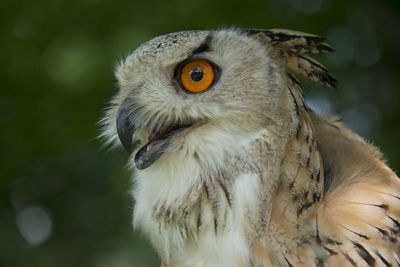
(125, 126)
(158, 143)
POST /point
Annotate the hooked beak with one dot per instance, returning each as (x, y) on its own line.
(125, 126)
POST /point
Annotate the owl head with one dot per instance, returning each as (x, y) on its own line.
(203, 94)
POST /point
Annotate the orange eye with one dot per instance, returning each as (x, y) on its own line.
(197, 76)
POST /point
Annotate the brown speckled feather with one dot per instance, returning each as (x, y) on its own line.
(340, 205)
(293, 47)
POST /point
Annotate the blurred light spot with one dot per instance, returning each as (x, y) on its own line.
(375, 119)
(28, 22)
(49, 185)
(306, 7)
(349, 94)
(29, 58)
(361, 23)
(364, 120)
(97, 214)
(35, 224)
(32, 18)
(343, 40)
(20, 196)
(319, 103)
(117, 253)
(368, 55)
(73, 61)
(357, 121)
(116, 259)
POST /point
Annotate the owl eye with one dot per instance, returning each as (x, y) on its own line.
(197, 75)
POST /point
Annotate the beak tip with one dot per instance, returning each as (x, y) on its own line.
(125, 128)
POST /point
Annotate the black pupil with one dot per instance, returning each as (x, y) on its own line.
(197, 74)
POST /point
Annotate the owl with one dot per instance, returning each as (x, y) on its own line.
(232, 168)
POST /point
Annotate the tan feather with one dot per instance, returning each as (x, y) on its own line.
(361, 207)
(299, 43)
(293, 47)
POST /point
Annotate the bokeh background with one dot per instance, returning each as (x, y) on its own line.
(63, 200)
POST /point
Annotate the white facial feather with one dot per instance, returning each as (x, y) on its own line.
(230, 116)
(176, 173)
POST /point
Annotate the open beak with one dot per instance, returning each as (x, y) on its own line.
(159, 141)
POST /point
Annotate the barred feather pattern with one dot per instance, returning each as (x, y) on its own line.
(353, 215)
(358, 219)
(292, 48)
(339, 203)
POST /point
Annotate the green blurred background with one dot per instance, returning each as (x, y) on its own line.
(63, 200)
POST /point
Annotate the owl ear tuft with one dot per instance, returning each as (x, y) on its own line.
(293, 47)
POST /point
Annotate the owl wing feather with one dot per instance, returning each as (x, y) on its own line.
(359, 215)
(357, 221)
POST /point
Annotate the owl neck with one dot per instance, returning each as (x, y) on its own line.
(300, 183)
(301, 167)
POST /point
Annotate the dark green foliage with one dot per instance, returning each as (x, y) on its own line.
(56, 64)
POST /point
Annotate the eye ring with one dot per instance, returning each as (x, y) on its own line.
(197, 75)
